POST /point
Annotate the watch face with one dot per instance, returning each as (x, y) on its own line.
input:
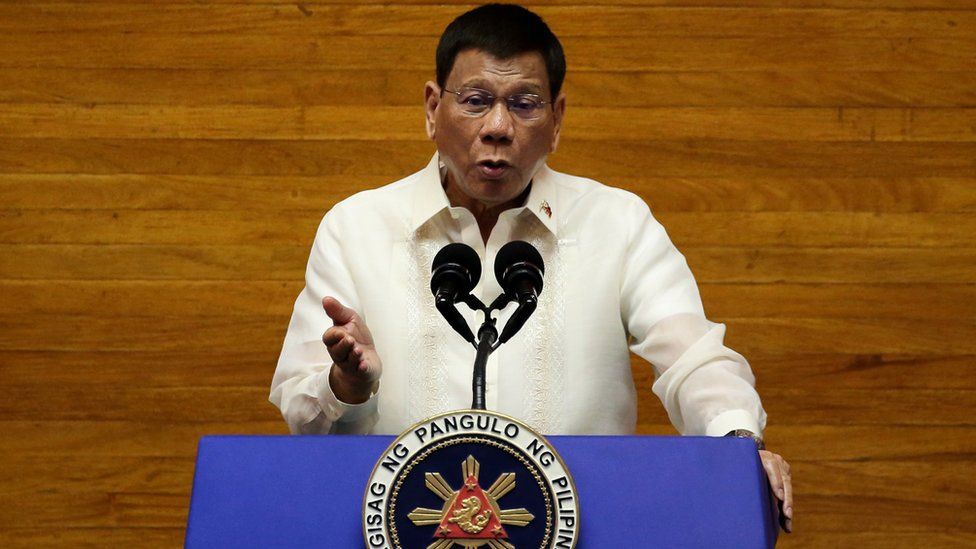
(745, 433)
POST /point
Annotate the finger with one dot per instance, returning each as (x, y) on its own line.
(356, 356)
(788, 499)
(775, 477)
(334, 335)
(341, 352)
(339, 313)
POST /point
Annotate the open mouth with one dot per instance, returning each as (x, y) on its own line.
(494, 163)
(493, 169)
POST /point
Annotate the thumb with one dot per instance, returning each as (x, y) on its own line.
(339, 313)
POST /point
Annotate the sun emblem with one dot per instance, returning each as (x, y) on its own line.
(470, 516)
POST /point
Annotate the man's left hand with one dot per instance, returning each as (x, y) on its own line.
(778, 471)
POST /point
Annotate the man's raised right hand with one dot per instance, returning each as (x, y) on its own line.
(356, 367)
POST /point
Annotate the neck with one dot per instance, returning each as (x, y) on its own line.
(485, 214)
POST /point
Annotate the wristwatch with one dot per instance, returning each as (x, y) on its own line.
(746, 433)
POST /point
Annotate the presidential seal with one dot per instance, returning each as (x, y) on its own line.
(470, 478)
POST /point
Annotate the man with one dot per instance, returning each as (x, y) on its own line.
(613, 279)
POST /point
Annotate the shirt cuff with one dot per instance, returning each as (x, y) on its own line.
(336, 410)
(730, 420)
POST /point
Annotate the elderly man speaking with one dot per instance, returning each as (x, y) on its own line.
(614, 281)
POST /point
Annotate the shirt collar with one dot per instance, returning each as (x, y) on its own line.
(542, 200)
(429, 198)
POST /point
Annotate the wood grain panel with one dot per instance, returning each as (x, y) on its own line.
(228, 227)
(95, 262)
(255, 333)
(902, 496)
(832, 265)
(806, 538)
(852, 336)
(780, 88)
(223, 86)
(757, 194)
(841, 301)
(81, 50)
(826, 371)
(95, 509)
(821, 229)
(25, 475)
(164, 405)
(163, 168)
(70, 333)
(88, 370)
(840, 406)
(256, 297)
(159, 406)
(429, 21)
(172, 298)
(866, 407)
(709, 264)
(395, 159)
(130, 438)
(940, 483)
(205, 157)
(464, 4)
(31, 191)
(918, 443)
(327, 123)
(393, 87)
(772, 124)
(158, 227)
(806, 442)
(82, 537)
(865, 512)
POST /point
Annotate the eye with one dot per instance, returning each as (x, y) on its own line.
(525, 102)
(476, 99)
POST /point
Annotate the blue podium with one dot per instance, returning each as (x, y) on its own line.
(634, 491)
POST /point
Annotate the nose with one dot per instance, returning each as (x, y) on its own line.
(497, 124)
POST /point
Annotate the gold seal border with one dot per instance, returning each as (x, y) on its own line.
(477, 439)
(521, 424)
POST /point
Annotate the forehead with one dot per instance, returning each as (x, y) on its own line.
(476, 67)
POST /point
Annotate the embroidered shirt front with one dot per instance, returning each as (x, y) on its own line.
(613, 283)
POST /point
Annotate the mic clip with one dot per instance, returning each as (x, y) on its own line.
(476, 304)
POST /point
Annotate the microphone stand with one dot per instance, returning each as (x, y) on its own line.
(487, 343)
(487, 335)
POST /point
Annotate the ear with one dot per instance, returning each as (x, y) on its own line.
(558, 110)
(432, 98)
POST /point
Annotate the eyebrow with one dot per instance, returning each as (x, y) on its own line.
(526, 87)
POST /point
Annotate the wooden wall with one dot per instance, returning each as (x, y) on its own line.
(163, 167)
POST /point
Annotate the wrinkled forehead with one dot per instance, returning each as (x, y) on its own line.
(522, 73)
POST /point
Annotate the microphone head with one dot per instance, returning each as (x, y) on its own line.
(456, 263)
(516, 261)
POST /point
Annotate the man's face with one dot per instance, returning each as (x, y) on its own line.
(491, 158)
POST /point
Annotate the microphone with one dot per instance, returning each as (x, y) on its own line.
(455, 272)
(519, 269)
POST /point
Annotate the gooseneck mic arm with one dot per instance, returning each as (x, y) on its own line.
(487, 335)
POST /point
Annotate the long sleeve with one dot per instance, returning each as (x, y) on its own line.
(300, 387)
(706, 388)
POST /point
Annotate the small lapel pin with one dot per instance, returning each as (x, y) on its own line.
(544, 207)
